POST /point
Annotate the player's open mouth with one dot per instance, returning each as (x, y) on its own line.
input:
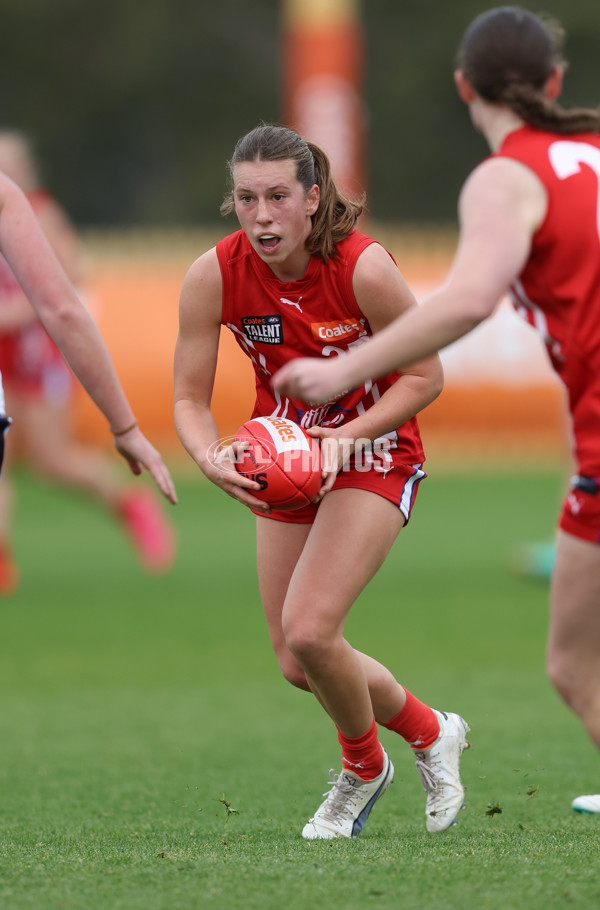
(268, 242)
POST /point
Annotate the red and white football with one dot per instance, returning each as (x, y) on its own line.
(283, 459)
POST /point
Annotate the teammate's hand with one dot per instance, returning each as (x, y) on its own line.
(140, 454)
(310, 379)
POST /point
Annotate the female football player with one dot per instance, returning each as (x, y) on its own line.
(299, 265)
(529, 224)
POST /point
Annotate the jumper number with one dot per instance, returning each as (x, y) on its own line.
(567, 157)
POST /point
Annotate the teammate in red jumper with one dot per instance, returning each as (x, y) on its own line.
(71, 327)
(529, 223)
(299, 279)
(39, 387)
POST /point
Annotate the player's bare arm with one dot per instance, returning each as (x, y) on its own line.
(196, 354)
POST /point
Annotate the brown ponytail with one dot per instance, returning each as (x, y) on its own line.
(508, 54)
(336, 215)
(543, 114)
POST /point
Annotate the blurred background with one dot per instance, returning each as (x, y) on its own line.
(134, 108)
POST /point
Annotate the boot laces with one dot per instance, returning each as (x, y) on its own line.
(339, 798)
(427, 774)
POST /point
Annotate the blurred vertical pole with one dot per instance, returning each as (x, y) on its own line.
(323, 62)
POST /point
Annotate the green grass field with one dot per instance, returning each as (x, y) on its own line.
(152, 758)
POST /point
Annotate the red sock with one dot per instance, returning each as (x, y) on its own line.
(363, 755)
(416, 723)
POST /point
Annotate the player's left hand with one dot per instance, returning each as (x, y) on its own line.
(139, 453)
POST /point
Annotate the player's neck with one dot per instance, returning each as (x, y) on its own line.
(495, 121)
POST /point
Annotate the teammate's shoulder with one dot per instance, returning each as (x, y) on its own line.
(498, 174)
(502, 192)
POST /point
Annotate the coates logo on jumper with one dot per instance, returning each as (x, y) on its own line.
(340, 330)
(263, 329)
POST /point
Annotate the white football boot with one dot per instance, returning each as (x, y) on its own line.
(440, 774)
(348, 803)
(589, 804)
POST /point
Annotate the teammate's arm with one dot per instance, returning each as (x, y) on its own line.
(501, 206)
(382, 295)
(70, 325)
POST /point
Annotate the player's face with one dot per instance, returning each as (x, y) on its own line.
(275, 213)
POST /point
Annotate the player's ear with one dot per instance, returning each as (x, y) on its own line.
(465, 90)
(554, 83)
(312, 199)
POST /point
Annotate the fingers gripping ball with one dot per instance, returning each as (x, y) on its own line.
(283, 459)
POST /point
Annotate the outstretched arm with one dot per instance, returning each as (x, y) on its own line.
(70, 325)
(501, 206)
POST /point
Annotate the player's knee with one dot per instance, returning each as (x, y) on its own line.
(294, 674)
(308, 645)
(291, 671)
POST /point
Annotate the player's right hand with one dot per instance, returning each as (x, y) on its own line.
(220, 469)
(139, 453)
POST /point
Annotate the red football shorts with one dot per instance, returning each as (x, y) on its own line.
(581, 509)
(32, 365)
(393, 480)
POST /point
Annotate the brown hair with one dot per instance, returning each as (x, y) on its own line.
(507, 54)
(336, 215)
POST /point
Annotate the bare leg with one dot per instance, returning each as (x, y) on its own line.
(574, 639)
(52, 450)
(328, 565)
(309, 579)
(279, 546)
(60, 458)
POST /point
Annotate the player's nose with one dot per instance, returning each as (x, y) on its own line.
(263, 215)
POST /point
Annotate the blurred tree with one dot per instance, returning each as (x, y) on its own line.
(135, 105)
(422, 145)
